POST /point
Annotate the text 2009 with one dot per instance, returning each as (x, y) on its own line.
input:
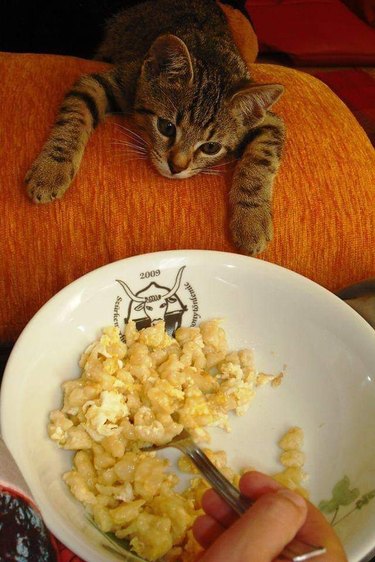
(148, 274)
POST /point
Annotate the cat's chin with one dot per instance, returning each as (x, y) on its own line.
(164, 170)
(181, 176)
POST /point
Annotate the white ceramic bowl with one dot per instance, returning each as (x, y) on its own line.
(325, 348)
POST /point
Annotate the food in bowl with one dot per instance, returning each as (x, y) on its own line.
(328, 388)
(144, 391)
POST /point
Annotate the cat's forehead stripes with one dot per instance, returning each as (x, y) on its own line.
(207, 97)
(211, 132)
(179, 116)
(144, 110)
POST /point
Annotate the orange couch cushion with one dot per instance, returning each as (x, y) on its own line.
(118, 207)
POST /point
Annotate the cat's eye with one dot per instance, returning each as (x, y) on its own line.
(166, 128)
(210, 148)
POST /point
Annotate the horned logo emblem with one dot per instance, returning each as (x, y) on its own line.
(155, 303)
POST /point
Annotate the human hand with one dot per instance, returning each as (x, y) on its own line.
(260, 534)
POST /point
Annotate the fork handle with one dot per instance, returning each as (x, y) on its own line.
(296, 551)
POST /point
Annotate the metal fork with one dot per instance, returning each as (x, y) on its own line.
(296, 551)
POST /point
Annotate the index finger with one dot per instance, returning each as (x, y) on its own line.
(262, 532)
(252, 485)
(315, 530)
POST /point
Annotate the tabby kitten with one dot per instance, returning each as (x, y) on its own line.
(178, 73)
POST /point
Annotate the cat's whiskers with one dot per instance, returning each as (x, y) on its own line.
(133, 158)
(131, 147)
(156, 154)
(135, 155)
(224, 163)
(212, 172)
(133, 134)
(131, 152)
(130, 144)
(214, 169)
(204, 169)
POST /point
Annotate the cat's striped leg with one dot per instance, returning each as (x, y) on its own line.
(84, 106)
(251, 193)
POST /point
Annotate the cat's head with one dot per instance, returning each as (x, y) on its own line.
(193, 113)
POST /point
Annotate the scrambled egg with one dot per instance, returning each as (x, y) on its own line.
(144, 392)
(103, 416)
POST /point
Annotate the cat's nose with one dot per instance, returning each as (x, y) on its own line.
(175, 168)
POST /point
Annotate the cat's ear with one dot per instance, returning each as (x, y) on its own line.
(170, 57)
(253, 101)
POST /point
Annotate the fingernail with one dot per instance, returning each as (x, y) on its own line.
(298, 500)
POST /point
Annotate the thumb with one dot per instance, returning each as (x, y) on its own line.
(263, 531)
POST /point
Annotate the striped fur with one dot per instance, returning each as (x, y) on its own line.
(178, 74)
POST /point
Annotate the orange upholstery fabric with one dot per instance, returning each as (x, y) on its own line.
(118, 207)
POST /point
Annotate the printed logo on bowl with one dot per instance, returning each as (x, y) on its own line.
(149, 302)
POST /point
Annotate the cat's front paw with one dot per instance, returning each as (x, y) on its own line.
(48, 179)
(251, 228)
